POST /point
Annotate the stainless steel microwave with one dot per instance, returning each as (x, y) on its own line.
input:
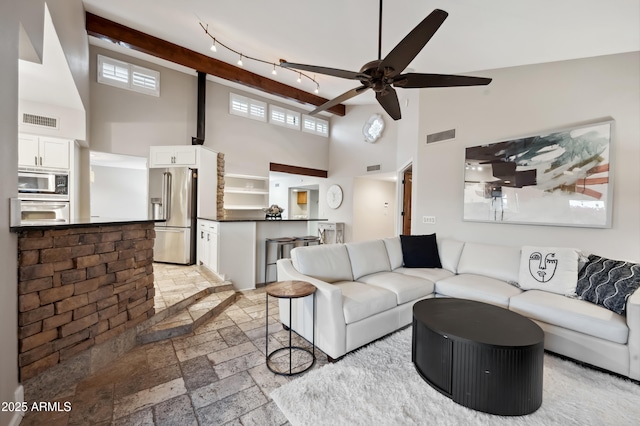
(43, 184)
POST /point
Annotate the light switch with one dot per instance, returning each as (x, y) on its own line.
(431, 220)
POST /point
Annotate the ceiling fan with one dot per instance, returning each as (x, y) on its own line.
(381, 74)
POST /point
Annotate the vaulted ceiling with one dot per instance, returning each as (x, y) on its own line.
(477, 35)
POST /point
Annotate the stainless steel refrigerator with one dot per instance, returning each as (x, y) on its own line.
(172, 198)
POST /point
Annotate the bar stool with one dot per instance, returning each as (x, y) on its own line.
(307, 240)
(280, 244)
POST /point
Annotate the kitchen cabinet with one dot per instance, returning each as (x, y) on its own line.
(208, 244)
(244, 192)
(170, 156)
(302, 197)
(40, 151)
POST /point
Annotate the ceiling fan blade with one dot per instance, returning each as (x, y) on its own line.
(388, 99)
(401, 55)
(411, 80)
(334, 72)
(337, 100)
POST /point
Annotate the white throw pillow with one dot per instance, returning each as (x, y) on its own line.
(552, 269)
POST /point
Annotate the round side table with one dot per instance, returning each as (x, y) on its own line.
(290, 290)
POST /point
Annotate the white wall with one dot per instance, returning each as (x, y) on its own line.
(249, 145)
(374, 207)
(127, 122)
(71, 122)
(350, 155)
(65, 14)
(118, 192)
(523, 101)
(9, 29)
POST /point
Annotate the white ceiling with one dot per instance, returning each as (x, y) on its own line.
(477, 35)
(49, 82)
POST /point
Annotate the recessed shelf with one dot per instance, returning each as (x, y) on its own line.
(246, 191)
(243, 207)
(239, 176)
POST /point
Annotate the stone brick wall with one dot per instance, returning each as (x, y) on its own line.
(220, 189)
(78, 287)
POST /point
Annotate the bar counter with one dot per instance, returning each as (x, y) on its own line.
(80, 284)
(237, 250)
(78, 223)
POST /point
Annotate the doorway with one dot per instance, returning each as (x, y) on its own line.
(407, 184)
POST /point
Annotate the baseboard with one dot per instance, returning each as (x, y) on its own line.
(18, 396)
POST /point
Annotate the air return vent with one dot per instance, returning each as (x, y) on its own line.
(441, 136)
(40, 121)
(373, 168)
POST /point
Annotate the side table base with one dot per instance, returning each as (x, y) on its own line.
(291, 372)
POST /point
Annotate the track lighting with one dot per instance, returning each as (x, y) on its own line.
(214, 48)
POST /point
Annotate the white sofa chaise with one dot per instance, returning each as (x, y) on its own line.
(364, 292)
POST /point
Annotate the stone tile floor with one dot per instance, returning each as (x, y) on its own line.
(215, 375)
(174, 283)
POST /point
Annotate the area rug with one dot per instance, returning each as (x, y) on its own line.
(378, 385)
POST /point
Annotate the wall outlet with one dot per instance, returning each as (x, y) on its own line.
(431, 220)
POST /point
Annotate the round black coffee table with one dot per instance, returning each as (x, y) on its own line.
(481, 356)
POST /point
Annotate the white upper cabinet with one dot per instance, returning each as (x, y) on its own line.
(40, 151)
(171, 156)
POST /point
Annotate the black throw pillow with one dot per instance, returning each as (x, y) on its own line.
(420, 251)
(608, 283)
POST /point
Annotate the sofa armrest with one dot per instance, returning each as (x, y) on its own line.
(330, 324)
(633, 322)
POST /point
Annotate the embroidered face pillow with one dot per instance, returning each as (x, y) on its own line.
(552, 269)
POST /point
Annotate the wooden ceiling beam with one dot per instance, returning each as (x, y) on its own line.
(133, 39)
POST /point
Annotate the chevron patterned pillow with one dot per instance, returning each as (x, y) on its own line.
(608, 283)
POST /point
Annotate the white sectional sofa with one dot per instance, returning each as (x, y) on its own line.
(364, 292)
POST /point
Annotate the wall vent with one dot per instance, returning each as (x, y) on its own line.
(373, 168)
(441, 136)
(40, 121)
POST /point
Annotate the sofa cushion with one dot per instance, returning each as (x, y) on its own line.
(499, 262)
(420, 251)
(431, 274)
(327, 262)
(572, 314)
(405, 287)
(368, 257)
(360, 301)
(552, 269)
(608, 283)
(394, 250)
(450, 251)
(477, 287)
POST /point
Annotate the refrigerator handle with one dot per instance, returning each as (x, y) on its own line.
(166, 195)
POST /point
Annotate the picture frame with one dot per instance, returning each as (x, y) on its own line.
(559, 178)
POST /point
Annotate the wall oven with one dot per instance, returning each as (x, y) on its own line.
(43, 212)
(43, 184)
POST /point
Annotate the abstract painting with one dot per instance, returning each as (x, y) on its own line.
(559, 178)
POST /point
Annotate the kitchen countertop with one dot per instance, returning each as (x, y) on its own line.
(79, 223)
(262, 220)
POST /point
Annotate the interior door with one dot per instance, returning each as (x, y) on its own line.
(406, 202)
